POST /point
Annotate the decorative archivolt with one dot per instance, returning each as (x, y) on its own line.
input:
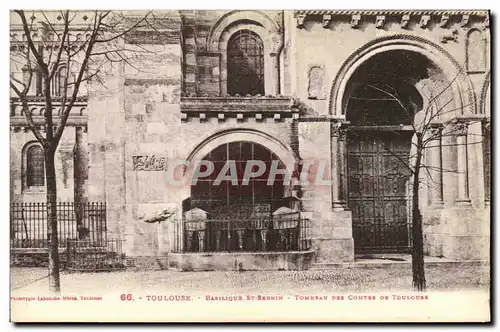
(485, 99)
(263, 26)
(462, 90)
(259, 18)
(207, 144)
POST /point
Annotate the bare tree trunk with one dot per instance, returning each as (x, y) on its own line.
(80, 163)
(50, 175)
(417, 257)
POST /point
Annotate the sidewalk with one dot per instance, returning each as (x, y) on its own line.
(396, 261)
(439, 278)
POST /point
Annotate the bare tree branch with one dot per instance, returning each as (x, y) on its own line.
(55, 67)
(123, 33)
(31, 44)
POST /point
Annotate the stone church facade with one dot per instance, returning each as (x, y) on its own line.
(296, 87)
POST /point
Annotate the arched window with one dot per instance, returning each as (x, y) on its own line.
(58, 81)
(35, 166)
(245, 59)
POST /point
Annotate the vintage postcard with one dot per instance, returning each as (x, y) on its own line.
(250, 166)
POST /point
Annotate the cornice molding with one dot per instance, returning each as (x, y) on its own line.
(423, 17)
(223, 108)
(37, 107)
(41, 99)
(20, 122)
(483, 13)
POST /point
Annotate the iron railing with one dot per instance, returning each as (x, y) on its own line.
(242, 235)
(85, 255)
(28, 223)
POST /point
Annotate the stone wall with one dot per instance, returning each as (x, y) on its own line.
(19, 138)
(138, 115)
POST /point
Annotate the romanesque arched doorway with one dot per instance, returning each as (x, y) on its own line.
(382, 102)
(228, 210)
(236, 197)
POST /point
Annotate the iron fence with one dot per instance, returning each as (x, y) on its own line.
(85, 255)
(28, 223)
(242, 235)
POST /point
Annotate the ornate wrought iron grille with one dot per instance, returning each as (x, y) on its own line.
(257, 234)
(229, 199)
(245, 56)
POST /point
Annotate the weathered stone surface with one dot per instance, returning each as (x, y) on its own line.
(241, 261)
(174, 104)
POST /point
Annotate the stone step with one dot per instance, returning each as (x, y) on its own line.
(395, 264)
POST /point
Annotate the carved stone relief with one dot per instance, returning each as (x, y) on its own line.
(316, 82)
(149, 163)
(476, 51)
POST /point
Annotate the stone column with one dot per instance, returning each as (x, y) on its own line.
(331, 229)
(466, 235)
(276, 67)
(432, 227)
(80, 177)
(338, 167)
(460, 130)
(201, 240)
(435, 165)
(486, 140)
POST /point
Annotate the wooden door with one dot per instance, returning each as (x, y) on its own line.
(378, 190)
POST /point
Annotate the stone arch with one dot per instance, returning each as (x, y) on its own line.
(262, 25)
(461, 88)
(284, 153)
(255, 16)
(485, 101)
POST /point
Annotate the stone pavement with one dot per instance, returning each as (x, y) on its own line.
(368, 278)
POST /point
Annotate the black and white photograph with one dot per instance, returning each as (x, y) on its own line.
(250, 165)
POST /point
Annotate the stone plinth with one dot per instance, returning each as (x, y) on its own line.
(467, 235)
(331, 235)
(244, 261)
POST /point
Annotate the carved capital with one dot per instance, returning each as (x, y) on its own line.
(327, 18)
(339, 131)
(460, 128)
(465, 20)
(445, 18)
(487, 124)
(355, 21)
(405, 20)
(380, 21)
(424, 21)
(486, 23)
(435, 130)
(300, 20)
